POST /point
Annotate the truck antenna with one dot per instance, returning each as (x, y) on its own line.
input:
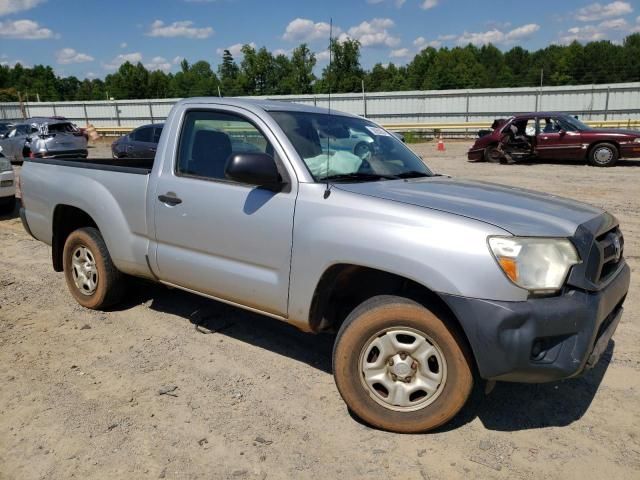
(327, 190)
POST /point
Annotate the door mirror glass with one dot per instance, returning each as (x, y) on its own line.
(254, 168)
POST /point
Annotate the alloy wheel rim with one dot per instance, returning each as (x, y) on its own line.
(84, 270)
(402, 369)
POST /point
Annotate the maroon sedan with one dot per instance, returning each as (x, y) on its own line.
(547, 135)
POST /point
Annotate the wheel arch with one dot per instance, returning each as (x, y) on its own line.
(66, 219)
(595, 143)
(342, 287)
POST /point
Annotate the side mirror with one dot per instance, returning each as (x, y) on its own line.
(255, 169)
(562, 132)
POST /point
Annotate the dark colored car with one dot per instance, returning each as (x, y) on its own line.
(140, 143)
(548, 135)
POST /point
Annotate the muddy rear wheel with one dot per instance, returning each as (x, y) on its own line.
(91, 276)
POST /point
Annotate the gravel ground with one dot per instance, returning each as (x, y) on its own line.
(139, 392)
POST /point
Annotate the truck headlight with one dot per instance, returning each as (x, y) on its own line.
(5, 165)
(538, 264)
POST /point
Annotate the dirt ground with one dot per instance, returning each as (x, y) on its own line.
(79, 390)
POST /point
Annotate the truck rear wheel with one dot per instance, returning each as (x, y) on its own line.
(91, 276)
(399, 367)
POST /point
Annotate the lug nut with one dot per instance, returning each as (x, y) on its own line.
(391, 362)
(408, 379)
(403, 355)
(414, 365)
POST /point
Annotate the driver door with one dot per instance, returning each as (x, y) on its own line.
(557, 140)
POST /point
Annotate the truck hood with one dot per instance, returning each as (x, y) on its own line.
(518, 211)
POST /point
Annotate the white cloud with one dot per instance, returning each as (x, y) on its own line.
(90, 75)
(8, 7)
(397, 3)
(158, 63)
(524, 31)
(13, 63)
(373, 33)
(322, 56)
(615, 24)
(601, 31)
(282, 51)
(183, 28)
(428, 4)
(235, 49)
(123, 45)
(133, 57)
(400, 53)
(177, 59)
(305, 30)
(25, 30)
(496, 36)
(422, 42)
(597, 11)
(69, 55)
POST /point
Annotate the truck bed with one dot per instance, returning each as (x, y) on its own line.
(139, 166)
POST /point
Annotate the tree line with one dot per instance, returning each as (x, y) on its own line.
(260, 72)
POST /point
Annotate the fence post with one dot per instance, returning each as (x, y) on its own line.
(55, 113)
(467, 108)
(151, 112)
(364, 101)
(606, 103)
(115, 105)
(86, 116)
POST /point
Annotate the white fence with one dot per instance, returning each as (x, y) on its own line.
(591, 102)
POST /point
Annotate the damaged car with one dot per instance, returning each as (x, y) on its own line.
(43, 138)
(549, 135)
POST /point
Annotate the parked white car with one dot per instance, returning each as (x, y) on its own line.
(7, 185)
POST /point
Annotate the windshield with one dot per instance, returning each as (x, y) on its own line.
(575, 123)
(341, 148)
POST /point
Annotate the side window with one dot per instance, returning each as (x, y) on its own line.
(156, 134)
(209, 138)
(549, 125)
(143, 134)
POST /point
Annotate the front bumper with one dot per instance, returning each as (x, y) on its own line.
(542, 339)
(7, 185)
(631, 150)
(475, 155)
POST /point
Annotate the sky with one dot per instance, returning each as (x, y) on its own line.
(92, 38)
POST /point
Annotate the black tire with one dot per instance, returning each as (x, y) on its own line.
(603, 155)
(390, 315)
(109, 280)
(493, 155)
(7, 205)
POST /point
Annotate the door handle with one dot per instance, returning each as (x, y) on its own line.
(170, 199)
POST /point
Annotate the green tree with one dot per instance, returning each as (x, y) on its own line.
(229, 74)
(303, 61)
(344, 74)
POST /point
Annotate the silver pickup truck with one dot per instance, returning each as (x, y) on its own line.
(327, 221)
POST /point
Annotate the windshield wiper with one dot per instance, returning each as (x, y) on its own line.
(358, 176)
(412, 174)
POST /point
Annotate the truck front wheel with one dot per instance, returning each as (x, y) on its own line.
(399, 367)
(91, 276)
